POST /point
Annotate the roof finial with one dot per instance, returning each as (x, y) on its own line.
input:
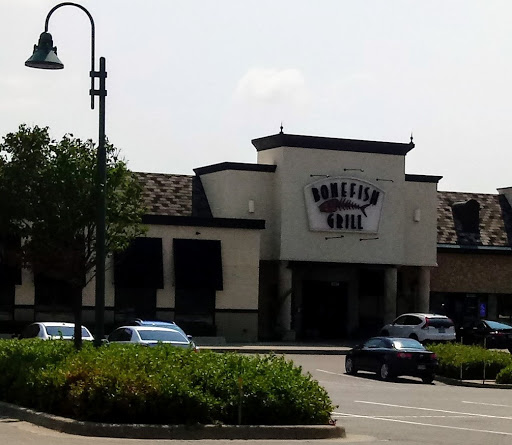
(281, 132)
(411, 139)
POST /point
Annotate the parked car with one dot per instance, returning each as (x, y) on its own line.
(488, 333)
(391, 357)
(54, 330)
(156, 323)
(150, 336)
(421, 327)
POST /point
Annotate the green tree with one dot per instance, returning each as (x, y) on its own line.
(48, 198)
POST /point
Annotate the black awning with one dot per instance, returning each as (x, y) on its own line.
(10, 260)
(141, 265)
(197, 264)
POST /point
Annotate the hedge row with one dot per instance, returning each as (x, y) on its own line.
(468, 362)
(160, 385)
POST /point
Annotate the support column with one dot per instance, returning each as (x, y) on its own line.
(423, 297)
(390, 291)
(492, 307)
(285, 301)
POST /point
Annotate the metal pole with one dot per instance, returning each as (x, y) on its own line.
(102, 208)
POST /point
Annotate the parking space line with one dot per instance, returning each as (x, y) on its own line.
(329, 372)
(423, 424)
(432, 409)
(487, 404)
(426, 417)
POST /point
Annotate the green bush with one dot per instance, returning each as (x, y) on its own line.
(454, 358)
(505, 375)
(128, 384)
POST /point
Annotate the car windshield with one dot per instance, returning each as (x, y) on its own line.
(64, 331)
(496, 325)
(158, 335)
(407, 343)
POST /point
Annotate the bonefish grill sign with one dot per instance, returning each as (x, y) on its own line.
(343, 204)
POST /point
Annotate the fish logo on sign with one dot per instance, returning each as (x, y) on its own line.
(332, 205)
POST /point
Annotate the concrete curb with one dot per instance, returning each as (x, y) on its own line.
(181, 432)
(472, 383)
(278, 350)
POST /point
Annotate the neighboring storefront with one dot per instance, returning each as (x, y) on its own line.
(474, 274)
(322, 238)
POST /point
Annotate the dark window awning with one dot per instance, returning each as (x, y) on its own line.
(10, 256)
(141, 265)
(197, 264)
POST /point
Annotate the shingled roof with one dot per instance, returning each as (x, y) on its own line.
(183, 195)
(166, 194)
(495, 221)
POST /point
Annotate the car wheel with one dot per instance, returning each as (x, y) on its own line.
(510, 349)
(413, 336)
(385, 333)
(385, 372)
(428, 379)
(349, 366)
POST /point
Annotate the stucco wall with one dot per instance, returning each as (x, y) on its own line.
(229, 193)
(472, 273)
(420, 247)
(240, 262)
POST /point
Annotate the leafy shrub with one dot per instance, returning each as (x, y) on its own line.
(454, 357)
(128, 383)
(505, 375)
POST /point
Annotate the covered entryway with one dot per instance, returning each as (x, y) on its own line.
(324, 310)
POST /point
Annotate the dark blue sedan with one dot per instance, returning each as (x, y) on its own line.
(391, 357)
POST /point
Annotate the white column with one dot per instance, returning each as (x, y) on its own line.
(390, 291)
(423, 297)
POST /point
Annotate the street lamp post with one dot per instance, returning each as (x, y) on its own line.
(45, 57)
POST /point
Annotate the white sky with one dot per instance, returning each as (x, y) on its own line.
(191, 82)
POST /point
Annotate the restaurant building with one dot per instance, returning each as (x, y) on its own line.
(321, 238)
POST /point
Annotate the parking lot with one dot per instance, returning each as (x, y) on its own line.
(410, 412)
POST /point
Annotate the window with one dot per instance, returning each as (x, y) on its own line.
(134, 303)
(374, 343)
(52, 294)
(505, 308)
(401, 321)
(121, 334)
(31, 331)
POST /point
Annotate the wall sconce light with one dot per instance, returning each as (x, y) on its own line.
(417, 215)
(251, 206)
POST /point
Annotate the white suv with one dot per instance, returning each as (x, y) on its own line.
(421, 327)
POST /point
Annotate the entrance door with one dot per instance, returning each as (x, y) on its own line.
(324, 310)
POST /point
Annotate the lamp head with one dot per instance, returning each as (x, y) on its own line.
(45, 54)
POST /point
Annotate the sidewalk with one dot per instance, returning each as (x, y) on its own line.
(338, 348)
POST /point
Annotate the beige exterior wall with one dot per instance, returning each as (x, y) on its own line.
(229, 193)
(240, 263)
(279, 199)
(472, 273)
(420, 248)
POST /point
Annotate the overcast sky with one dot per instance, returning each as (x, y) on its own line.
(191, 82)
